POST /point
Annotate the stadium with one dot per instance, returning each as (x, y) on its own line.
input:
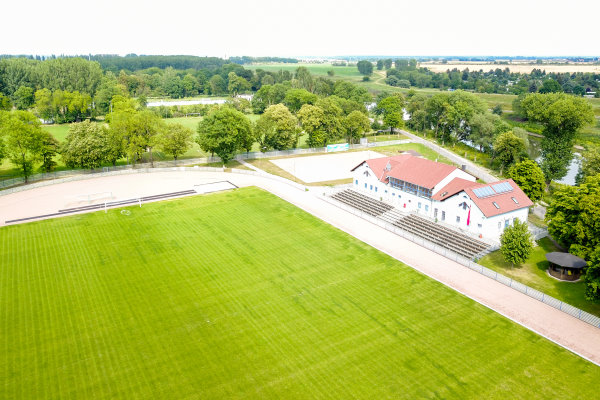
(197, 283)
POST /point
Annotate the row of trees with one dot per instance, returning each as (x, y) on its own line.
(226, 131)
(493, 81)
(463, 117)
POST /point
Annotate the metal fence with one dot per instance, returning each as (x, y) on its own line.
(7, 183)
(536, 294)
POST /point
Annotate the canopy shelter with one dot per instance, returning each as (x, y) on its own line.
(565, 266)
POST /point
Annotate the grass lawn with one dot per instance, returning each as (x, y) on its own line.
(243, 295)
(533, 273)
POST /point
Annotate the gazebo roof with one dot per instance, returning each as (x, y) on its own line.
(566, 260)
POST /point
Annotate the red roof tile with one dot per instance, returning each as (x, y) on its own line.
(456, 185)
(416, 170)
(504, 200)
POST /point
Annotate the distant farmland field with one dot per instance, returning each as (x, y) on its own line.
(521, 68)
(242, 295)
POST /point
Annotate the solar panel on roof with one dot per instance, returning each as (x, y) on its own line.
(502, 187)
(483, 191)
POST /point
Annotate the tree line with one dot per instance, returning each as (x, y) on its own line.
(406, 73)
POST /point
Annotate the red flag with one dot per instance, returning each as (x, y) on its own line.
(469, 217)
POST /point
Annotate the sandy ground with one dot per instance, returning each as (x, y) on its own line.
(327, 167)
(555, 325)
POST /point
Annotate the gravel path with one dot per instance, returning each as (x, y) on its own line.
(555, 325)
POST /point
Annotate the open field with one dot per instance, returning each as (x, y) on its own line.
(242, 295)
(315, 69)
(516, 67)
(533, 273)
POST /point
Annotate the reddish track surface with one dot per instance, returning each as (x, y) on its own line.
(555, 325)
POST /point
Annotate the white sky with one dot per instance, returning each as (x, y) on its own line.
(301, 27)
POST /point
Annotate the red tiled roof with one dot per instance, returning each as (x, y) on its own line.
(486, 204)
(456, 185)
(416, 170)
(504, 200)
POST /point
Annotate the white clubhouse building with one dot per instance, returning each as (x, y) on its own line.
(443, 193)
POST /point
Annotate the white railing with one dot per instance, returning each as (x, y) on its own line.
(536, 294)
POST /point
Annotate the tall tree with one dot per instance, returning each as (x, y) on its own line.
(516, 243)
(312, 121)
(530, 178)
(24, 140)
(572, 216)
(508, 149)
(356, 124)
(304, 79)
(277, 129)
(365, 67)
(50, 147)
(562, 116)
(223, 132)
(24, 98)
(5, 103)
(237, 84)
(85, 145)
(296, 98)
(590, 165)
(391, 107)
(175, 139)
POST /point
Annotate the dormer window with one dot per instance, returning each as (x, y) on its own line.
(496, 205)
(388, 166)
(515, 200)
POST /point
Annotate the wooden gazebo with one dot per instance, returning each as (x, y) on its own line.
(565, 266)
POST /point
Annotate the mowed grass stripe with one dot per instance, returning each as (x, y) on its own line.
(242, 295)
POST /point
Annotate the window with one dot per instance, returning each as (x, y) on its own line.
(386, 190)
(370, 187)
(375, 188)
(435, 211)
(426, 207)
(506, 223)
(515, 200)
(495, 204)
(419, 205)
(365, 185)
(356, 182)
(393, 194)
(443, 215)
(457, 219)
(479, 226)
(465, 205)
(499, 225)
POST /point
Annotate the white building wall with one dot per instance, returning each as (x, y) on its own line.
(494, 226)
(457, 173)
(450, 211)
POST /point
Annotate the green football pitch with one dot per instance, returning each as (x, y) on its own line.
(242, 295)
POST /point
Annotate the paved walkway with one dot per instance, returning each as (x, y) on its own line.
(482, 173)
(557, 326)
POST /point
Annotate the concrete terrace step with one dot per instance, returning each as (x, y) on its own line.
(436, 233)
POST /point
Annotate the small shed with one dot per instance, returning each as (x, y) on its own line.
(565, 266)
